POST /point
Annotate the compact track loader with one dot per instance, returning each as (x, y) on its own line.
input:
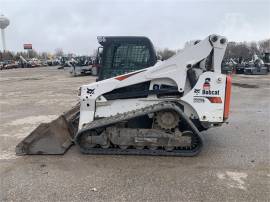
(159, 110)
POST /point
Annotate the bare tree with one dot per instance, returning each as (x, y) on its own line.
(7, 55)
(32, 54)
(95, 52)
(18, 54)
(59, 52)
(44, 55)
(70, 55)
(237, 50)
(264, 46)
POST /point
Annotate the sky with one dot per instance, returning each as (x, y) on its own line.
(74, 25)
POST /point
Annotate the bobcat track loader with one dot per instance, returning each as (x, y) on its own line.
(159, 110)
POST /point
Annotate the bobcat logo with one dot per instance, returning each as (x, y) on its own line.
(197, 91)
(91, 91)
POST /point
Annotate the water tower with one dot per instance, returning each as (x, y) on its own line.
(4, 22)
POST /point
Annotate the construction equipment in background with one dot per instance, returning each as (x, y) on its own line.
(133, 45)
(35, 62)
(256, 67)
(53, 62)
(81, 65)
(8, 64)
(63, 62)
(240, 68)
(228, 67)
(266, 60)
(22, 63)
(159, 110)
(96, 62)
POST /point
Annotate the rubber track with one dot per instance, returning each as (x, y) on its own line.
(105, 122)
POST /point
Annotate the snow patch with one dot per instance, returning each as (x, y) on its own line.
(4, 135)
(3, 102)
(33, 120)
(20, 133)
(5, 155)
(233, 179)
(221, 176)
(238, 178)
(16, 135)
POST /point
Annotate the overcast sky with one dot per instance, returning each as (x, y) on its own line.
(74, 24)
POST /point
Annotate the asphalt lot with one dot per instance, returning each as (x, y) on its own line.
(233, 166)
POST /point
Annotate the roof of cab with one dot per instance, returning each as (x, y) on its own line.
(103, 40)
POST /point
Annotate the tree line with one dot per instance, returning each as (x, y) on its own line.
(236, 50)
(8, 55)
(244, 50)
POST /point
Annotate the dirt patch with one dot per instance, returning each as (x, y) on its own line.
(31, 120)
(30, 79)
(244, 85)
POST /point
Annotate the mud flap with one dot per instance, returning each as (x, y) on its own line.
(51, 138)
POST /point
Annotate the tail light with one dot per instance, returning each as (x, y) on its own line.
(215, 99)
(227, 97)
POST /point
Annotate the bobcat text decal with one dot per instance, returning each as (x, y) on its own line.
(210, 92)
(206, 92)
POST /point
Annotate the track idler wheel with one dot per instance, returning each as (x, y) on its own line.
(106, 146)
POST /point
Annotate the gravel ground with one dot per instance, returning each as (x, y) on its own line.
(233, 166)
